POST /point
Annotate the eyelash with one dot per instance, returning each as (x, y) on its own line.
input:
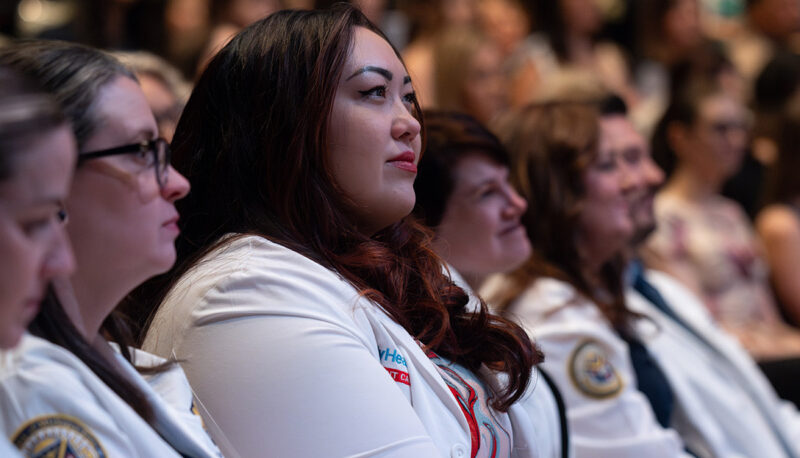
(380, 91)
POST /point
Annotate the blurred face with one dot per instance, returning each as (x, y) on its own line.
(777, 18)
(484, 86)
(581, 16)
(122, 224)
(166, 107)
(682, 24)
(374, 141)
(480, 233)
(604, 223)
(714, 146)
(33, 245)
(618, 138)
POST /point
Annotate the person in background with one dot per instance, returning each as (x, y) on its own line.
(122, 227)
(464, 195)
(164, 88)
(569, 294)
(566, 42)
(468, 74)
(723, 405)
(778, 223)
(37, 157)
(303, 299)
(705, 240)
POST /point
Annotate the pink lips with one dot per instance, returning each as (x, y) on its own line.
(404, 161)
(172, 224)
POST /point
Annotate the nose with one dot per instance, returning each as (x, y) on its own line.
(655, 176)
(59, 261)
(405, 126)
(177, 186)
(516, 203)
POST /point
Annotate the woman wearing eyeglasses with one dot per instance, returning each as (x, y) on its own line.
(75, 390)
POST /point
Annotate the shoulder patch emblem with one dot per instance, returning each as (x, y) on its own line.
(592, 373)
(57, 436)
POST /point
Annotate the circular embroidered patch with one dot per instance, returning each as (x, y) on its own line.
(592, 373)
(58, 436)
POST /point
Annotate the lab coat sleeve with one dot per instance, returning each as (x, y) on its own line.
(51, 400)
(276, 373)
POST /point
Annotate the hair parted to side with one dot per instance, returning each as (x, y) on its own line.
(552, 146)
(26, 113)
(74, 75)
(451, 137)
(253, 143)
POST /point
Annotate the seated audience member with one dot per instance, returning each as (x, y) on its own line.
(463, 194)
(468, 75)
(569, 294)
(37, 156)
(302, 298)
(778, 223)
(723, 404)
(122, 224)
(163, 86)
(705, 240)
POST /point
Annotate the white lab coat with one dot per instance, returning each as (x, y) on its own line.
(46, 391)
(8, 450)
(538, 402)
(607, 415)
(725, 407)
(287, 359)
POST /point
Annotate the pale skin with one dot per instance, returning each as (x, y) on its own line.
(122, 226)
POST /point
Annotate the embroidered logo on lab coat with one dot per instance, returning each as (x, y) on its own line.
(592, 373)
(57, 436)
(395, 364)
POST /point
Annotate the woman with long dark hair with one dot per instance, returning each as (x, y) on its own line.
(37, 155)
(312, 316)
(69, 388)
(569, 294)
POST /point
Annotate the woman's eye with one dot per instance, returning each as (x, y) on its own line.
(410, 98)
(377, 91)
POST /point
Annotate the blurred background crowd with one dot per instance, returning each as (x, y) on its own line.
(712, 84)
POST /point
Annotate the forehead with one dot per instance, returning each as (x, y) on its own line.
(122, 113)
(370, 49)
(719, 106)
(618, 133)
(476, 167)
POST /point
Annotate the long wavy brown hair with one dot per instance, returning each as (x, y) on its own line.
(253, 142)
(552, 145)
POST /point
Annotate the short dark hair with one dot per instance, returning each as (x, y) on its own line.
(450, 138)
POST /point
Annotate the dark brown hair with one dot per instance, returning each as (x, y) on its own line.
(552, 145)
(451, 137)
(253, 142)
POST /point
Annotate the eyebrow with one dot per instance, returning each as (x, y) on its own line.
(379, 70)
(370, 68)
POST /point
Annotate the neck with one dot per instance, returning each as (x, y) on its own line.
(689, 185)
(96, 300)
